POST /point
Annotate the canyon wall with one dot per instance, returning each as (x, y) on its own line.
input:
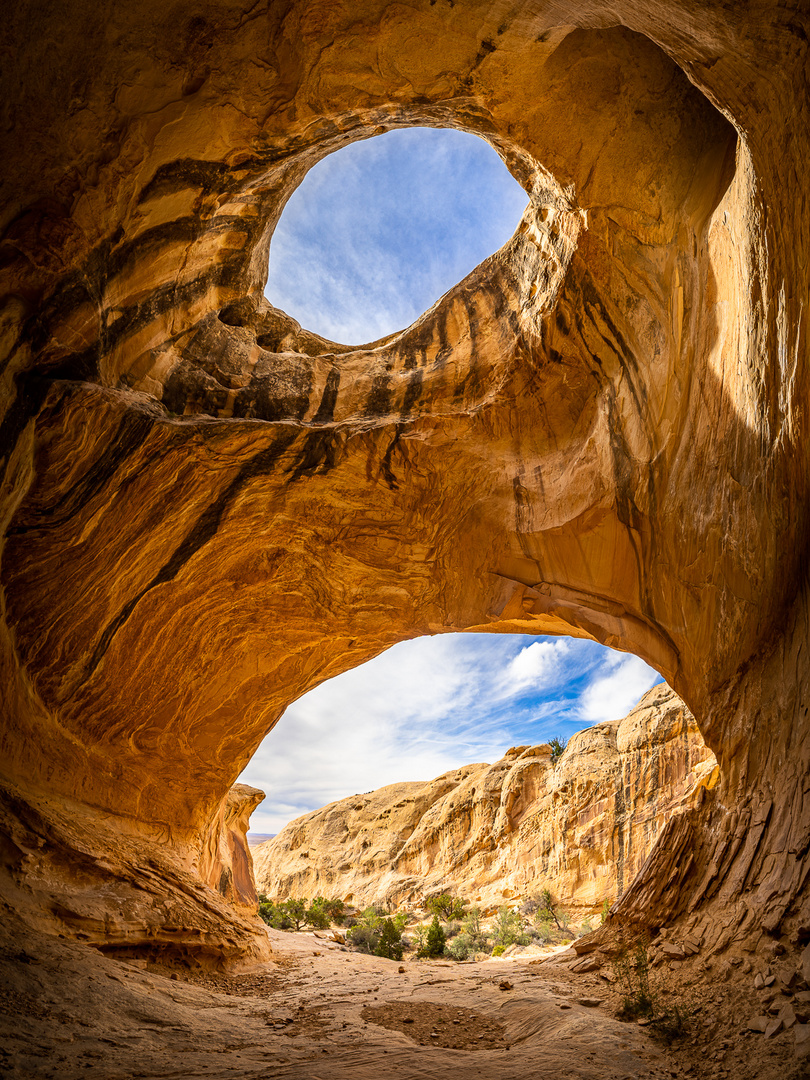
(581, 827)
(206, 510)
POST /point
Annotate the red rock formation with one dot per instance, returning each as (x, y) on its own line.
(582, 828)
(601, 431)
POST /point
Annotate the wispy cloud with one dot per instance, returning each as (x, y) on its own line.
(378, 231)
(614, 694)
(434, 704)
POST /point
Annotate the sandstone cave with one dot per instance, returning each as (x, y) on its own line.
(208, 509)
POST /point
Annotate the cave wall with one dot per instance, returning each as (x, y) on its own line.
(207, 510)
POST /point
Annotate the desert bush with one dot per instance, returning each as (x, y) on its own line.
(364, 938)
(371, 917)
(447, 907)
(585, 928)
(605, 910)
(508, 928)
(557, 748)
(420, 938)
(334, 909)
(435, 940)
(498, 950)
(642, 998)
(296, 912)
(273, 914)
(400, 921)
(474, 931)
(542, 929)
(317, 915)
(460, 948)
(390, 942)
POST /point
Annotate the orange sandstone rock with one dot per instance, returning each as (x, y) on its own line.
(582, 827)
(206, 510)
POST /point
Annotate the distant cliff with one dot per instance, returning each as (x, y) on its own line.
(583, 826)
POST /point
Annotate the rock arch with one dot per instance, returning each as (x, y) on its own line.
(601, 431)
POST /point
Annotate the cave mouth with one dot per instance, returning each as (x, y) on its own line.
(432, 704)
(433, 767)
(379, 230)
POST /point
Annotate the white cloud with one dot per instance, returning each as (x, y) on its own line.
(539, 665)
(614, 694)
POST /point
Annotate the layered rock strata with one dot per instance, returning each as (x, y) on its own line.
(602, 431)
(581, 827)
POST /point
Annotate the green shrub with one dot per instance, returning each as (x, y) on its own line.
(371, 917)
(317, 915)
(296, 912)
(364, 938)
(557, 748)
(390, 943)
(508, 928)
(447, 907)
(631, 968)
(542, 928)
(605, 910)
(474, 932)
(584, 928)
(435, 941)
(460, 948)
(420, 939)
(400, 921)
(498, 950)
(273, 914)
(322, 913)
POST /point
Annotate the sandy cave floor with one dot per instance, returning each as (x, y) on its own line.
(319, 1013)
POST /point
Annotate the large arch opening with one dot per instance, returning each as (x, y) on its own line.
(490, 768)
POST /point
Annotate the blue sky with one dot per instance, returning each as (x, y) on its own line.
(433, 704)
(374, 235)
(379, 230)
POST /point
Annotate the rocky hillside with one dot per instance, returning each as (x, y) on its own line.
(582, 826)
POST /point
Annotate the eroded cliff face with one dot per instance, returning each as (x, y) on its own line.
(226, 863)
(582, 827)
(207, 510)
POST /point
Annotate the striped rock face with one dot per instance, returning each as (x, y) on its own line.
(207, 510)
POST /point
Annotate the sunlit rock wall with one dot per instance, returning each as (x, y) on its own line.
(207, 510)
(493, 833)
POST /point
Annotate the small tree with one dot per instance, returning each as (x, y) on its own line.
(317, 915)
(295, 911)
(273, 914)
(436, 940)
(547, 910)
(557, 748)
(400, 921)
(447, 907)
(334, 909)
(390, 943)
